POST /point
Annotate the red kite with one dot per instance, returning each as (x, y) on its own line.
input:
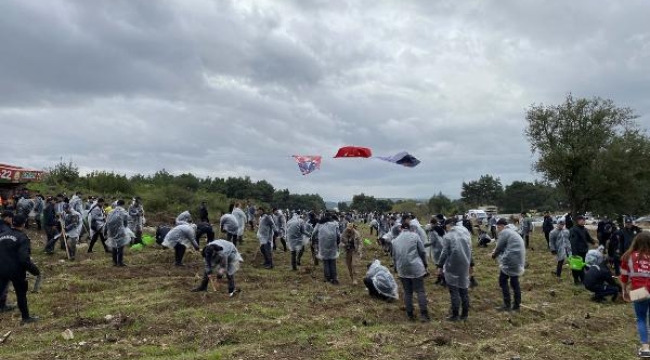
(353, 151)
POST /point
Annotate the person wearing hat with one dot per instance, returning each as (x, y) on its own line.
(598, 277)
(511, 254)
(627, 234)
(580, 240)
(15, 262)
(456, 261)
(221, 256)
(136, 219)
(560, 244)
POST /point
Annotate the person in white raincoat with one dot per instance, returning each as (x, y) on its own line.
(136, 219)
(411, 266)
(265, 231)
(436, 233)
(222, 257)
(380, 282)
(456, 260)
(511, 254)
(280, 228)
(560, 245)
(296, 232)
(179, 238)
(230, 226)
(118, 232)
(73, 224)
(242, 220)
(97, 221)
(329, 237)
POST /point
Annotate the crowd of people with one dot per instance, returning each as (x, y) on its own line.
(444, 243)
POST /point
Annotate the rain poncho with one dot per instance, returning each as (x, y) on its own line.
(456, 256)
(296, 233)
(228, 258)
(96, 218)
(24, 206)
(417, 228)
(409, 255)
(184, 218)
(435, 243)
(328, 236)
(383, 280)
(119, 234)
(559, 241)
(511, 252)
(280, 223)
(76, 203)
(594, 256)
(240, 215)
(229, 223)
(265, 229)
(184, 234)
(73, 224)
(136, 217)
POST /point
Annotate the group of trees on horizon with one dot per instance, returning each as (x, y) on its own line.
(591, 155)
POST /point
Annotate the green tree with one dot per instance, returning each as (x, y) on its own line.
(343, 206)
(62, 174)
(524, 196)
(439, 204)
(590, 148)
(487, 190)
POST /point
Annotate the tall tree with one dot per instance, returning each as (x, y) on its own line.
(587, 147)
(487, 190)
(440, 204)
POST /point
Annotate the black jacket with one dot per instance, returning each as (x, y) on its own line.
(4, 227)
(204, 228)
(580, 240)
(627, 235)
(49, 216)
(203, 212)
(548, 224)
(15, 254)
(597, 275)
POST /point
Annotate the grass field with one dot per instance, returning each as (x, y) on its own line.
(285, 315)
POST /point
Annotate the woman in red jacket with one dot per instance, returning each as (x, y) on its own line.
(635, 270)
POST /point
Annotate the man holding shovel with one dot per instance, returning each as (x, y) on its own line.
(222, 257)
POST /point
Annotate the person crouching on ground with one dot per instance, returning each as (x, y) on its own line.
(179, 238)
(380, 282)
(598, 277)
(456, 260)
(351, 242)
(411, 267)
(222, 257)
(511, 254)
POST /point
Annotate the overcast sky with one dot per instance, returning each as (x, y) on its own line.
(234, 88)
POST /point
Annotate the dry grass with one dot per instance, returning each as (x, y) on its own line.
(284, 315)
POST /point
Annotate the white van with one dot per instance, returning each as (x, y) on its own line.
(481, 215)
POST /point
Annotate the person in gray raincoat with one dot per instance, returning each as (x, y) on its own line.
(24, 207)
(560, 245)
(184, 218)
(118, 232)
(280, 228)
(136, 219)
(329, 237)
(436, 233)
(230, 226)
(240, 215)
(97, 220)
(380, 282)
(73, 223)
(411, 266)
(296, 232)
(511, 254)
(39, 205)
(179, 238)
(455, 261)
(265, 231)
(222, 257)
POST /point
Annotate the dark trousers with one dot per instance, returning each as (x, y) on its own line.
(51, 232)
(459, 299)
(20, 287)
(231, 237)
(372, 290)
(558, 270)
(493, 232)
(267, 253)
(604, 290)
(329, 269)
(295, 258)
(314, 251)
(38, 222)
(514, 283)
(546, 236)
(579, 275)
(118, 256)
(138, 237)
(98, 234)
(527, 239)
(179, 253)
(616, 262)
(414, 285)
(206, 280)
(3, 295)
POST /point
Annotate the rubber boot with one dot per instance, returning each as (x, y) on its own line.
(203, 286)
(294, 262)
(284, 244)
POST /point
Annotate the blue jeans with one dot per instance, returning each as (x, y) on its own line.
(641, 309)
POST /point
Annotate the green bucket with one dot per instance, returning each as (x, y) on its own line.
(148, 240)
(367, 241)
(576, 263)
(137, 247)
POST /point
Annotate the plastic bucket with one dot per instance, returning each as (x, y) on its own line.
(576, 263)
(137, 247)
(148, 240)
